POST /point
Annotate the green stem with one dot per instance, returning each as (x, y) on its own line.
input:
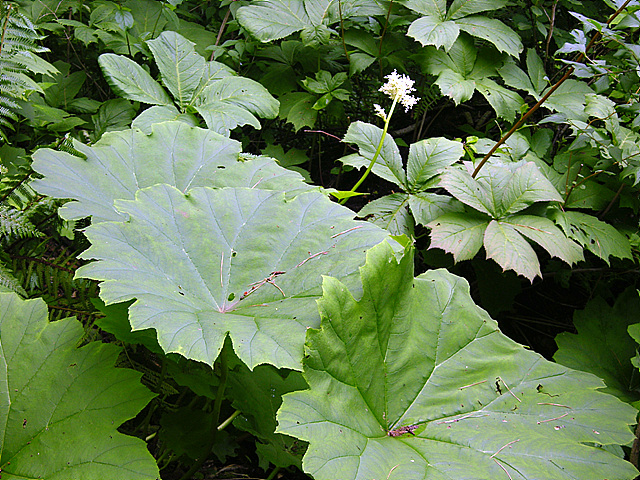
(273, 473)
(228, 421)
(378, 150)
(217, 404)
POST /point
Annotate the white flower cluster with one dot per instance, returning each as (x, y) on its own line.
(399, 87)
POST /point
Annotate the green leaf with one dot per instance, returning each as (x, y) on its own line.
(598, 237)
(130, 81)
(432, 8)
(234, 101)
(238, 261)
(526, 186)
(61, 405)
(505, 102)
(160, 114)
(493, 31)
(433, 31)
(461, 234)
(542, 231)
(428, 158)
(389, 162)
(390, 212)
(297, 108)
(602, 345)
(400, 391)
(258, 395)
(535, 67)
(472, 192)
(122, 162)
(179, 64)
(427, 207)
(269, 20)
(510, 250)
(570, 99)
(462, 8)
(113, 115)
(453, 85)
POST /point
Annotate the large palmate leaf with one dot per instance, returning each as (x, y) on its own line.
(238, 261)
(602, 345)
(175, 153)
(60, 406)
(415, 381)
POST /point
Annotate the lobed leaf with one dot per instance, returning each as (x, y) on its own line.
(123, 162)
(401, 391)
(232, 261)
(60, 406)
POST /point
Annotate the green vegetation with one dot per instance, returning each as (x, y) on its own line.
(221, 257)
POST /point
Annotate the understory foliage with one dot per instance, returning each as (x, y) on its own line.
(355, 239)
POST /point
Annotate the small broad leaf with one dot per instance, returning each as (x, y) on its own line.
(453, 85)
(389, 162)
(510, 250)
(62, 405)
(493, 31)
(433, 31)
(428, 158)
(602, 345)
(179, 64)
(390, 212)
(598, 237)
(270, 20)
(122, 162)
(432, 8)
(470, 191)
(427, 207)
(160, 114)
(570, 99)
(297, 108)
(234, 101)
(440, 392)
(542, 231)
(131, 81)
(461, 234)
(231, 261)
(526, 186)
(505, 102)
(462, 8)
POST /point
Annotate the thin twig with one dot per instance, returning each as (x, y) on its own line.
(310, 257)
(508, 389)
(472, 385)
(552, 419)
(505, 470)
(346, 231)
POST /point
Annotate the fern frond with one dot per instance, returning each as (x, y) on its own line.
(18, 46)
(8, 280)
(15, 224)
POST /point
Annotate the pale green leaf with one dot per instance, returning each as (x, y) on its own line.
(543, 232)
(453, 85)
(269, 20)
(231, 261)
(510, 250)
(570, 99)
(433, 31)
(179, 64)
(526, 186)
(60, 406)
(599, 106)
(602, 345)
(505, 102)
(432, 8)
(535, 67)
(516, 78)
(427, 207)
(598, 237)
(493, 31)
(390, 212)
(474, 192)
(389, 162)
(460, 234)
(235, 101)
(160, 114)
(122, 162)
(428, 158)
(131, 81)
(416, 355)
(463, 8)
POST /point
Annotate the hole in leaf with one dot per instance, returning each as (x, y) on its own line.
(231, 296)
